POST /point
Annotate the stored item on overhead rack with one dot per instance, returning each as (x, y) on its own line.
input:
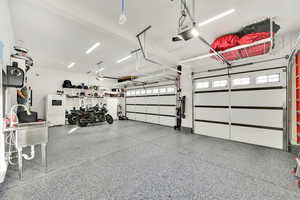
(67, 84)
(262, 26)
(127, 78)
(256, 50)
(60, 92)
(247, 36)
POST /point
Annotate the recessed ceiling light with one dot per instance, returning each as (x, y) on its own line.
(71, 65)
(123, 59)
(93, 48)
(228, 12)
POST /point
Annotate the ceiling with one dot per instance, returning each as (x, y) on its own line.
(58, 32)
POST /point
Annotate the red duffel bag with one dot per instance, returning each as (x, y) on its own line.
(256, 50)
(226, 42)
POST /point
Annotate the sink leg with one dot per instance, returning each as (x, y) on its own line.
(20, 163)
(44, 156)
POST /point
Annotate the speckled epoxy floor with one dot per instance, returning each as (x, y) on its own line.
(131, 160)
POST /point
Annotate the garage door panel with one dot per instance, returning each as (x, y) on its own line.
(214, 114)
(153, 105)
(167, 121)
(167, 110)
(169, 100)
(153, 119)
(212, 129)
(271, 118)
(140, 117)
(213, 99)
(130, 108)
(152, 100)
(268, 98)
(141, 109)
(131, 100)
(131, 116)
(263, 137)
(153, 109)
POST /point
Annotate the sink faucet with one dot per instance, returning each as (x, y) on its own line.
(14, 107)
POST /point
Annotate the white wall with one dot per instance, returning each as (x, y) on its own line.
(187, 90)
(7, 38)
(49, 81)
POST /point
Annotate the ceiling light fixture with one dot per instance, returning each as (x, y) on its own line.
(228, 12)
(124, 59)
(195, 32)
(71, 65)
(123, 18)
(93, 48)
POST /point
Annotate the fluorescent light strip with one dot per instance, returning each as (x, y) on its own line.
(123, 59)
(71, 65)
(93, 48)
(228, 12)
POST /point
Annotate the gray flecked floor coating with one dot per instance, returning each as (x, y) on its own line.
(131, 160)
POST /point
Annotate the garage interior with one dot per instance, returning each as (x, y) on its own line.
(174, 99)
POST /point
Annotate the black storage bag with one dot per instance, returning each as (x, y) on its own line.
(263, 26)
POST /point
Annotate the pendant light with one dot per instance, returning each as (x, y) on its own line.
(123, 18)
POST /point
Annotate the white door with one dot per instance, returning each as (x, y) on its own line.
(246, 106)
(155, 105)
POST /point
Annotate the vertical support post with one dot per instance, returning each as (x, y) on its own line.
(193, 103)
(44, 156)
(3, 163)
(20, 163)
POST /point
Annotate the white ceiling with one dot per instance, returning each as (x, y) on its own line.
(58, 32)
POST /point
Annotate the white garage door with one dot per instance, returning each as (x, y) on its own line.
(155, 105)
(244, 106)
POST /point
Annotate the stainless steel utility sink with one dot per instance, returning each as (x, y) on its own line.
(29, 134)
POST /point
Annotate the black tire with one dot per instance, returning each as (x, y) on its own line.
(109, 119)
(72, 119)
(82, 124)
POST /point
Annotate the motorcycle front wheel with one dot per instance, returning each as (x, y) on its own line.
(72, 119)
(109, 119)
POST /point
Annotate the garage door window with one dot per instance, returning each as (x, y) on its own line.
(143, 92)
(149, 91)
(171, 90)
(138, 92)
(241, 81)
(155, 91)
(202, 85)
(272, 78)
(221, 83)
(162, 90)
(128, 93)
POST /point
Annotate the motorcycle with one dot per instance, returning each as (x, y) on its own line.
(73, 116)
(94, 115)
